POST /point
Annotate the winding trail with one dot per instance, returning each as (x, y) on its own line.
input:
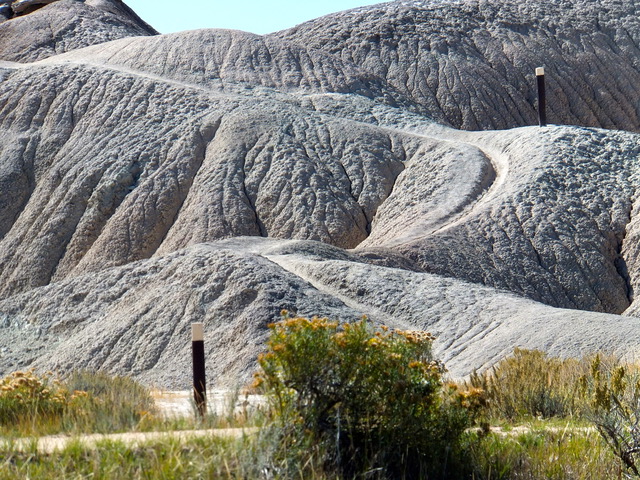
(499, 164)
(484, 198)
(478, 176)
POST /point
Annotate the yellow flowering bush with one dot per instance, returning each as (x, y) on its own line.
(373, 397)
(25, 394)
(32, 403)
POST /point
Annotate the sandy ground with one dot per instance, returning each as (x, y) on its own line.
(177, 404)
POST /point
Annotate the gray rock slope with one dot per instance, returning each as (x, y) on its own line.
(521, 213)
(471, 62)
(218, 58)
(219, 176)
(136, 318)
(66, 25)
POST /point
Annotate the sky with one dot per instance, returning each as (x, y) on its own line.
(256, 16)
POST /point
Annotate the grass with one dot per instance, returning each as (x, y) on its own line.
(213, 458)
(537, 454)
(209, 457)
(527, 439)
(529, 385)
(42, 404)
(88, 402)
(544, 454)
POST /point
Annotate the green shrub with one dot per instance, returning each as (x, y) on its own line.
(614, 391)
(111, 403)
(25, 395)
(374, 399)
(598, 389)
(530, 384)
(544, 453)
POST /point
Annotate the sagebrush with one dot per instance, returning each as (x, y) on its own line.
(372, 399)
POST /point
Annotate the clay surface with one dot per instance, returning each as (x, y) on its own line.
(150, 181)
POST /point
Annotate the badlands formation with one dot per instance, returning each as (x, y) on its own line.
(383, 161)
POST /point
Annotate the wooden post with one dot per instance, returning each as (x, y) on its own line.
(542, 99)
(6, 12)
(199, 377)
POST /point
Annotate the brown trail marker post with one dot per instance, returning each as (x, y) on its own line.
(542, 99)
(199, 378)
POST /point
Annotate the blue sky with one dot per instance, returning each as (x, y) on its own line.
(254, 16)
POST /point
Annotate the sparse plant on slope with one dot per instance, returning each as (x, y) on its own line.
(373, 399)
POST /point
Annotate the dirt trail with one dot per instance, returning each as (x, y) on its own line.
(170, 404)
(53, 443)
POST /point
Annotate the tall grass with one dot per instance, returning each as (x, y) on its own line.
(250, 457)
(595, 390)
(544, 453)
(529, 384)
(539, 454)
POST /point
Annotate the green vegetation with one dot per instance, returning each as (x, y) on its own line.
(533, 455)
(569, 453)
(346, 401)
(32, 404)
(368, 400)
(615, 402)
(529, 385)
(209, 458)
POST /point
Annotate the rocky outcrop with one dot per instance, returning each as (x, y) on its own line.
(33, 31)
(220, 59)
(471, 63)
(88, 194)
(23, 7)
(136, 318)
(540, 212)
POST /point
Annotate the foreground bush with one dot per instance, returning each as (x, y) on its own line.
(597, 389)
(112, 403)
(373, 399)
(37, 404)
(25, 395)
(547, 452)
(615, 400)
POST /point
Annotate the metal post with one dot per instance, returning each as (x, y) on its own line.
(542, 99)
(199, 378)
